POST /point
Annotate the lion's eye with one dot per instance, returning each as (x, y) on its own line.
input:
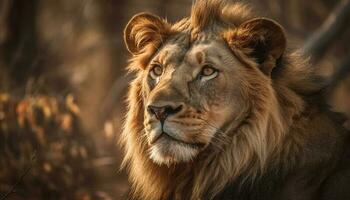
(208, 72)
(156, 71)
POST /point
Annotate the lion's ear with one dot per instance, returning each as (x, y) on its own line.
(260, 38)
(144, 29)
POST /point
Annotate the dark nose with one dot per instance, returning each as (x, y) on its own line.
(163, 112)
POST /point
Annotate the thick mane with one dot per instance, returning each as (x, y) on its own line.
(252, 143)
(205, 13)
(211, 13)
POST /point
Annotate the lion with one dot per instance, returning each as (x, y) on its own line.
(220, 108)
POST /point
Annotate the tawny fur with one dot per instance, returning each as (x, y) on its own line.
(273, 133)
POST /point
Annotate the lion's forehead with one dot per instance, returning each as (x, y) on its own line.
(172, 52)
(178, 51)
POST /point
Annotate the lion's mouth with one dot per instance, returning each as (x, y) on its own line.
(196, 145)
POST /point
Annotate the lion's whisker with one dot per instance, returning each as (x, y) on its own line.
(220, 139)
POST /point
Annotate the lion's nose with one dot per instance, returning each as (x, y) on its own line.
(162, 112)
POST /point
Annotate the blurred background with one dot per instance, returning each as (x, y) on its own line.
(63, 84)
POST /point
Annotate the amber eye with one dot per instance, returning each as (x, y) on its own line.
(208, 72)
(156, 71)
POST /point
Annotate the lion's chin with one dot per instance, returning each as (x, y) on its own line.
(167, 151)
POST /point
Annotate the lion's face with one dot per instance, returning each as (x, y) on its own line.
(189, 95)
(196, 85)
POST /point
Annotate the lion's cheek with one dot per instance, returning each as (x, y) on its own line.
(221, 112)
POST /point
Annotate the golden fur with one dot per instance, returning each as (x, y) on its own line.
(269, 130)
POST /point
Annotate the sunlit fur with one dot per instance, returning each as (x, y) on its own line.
(267, 127)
